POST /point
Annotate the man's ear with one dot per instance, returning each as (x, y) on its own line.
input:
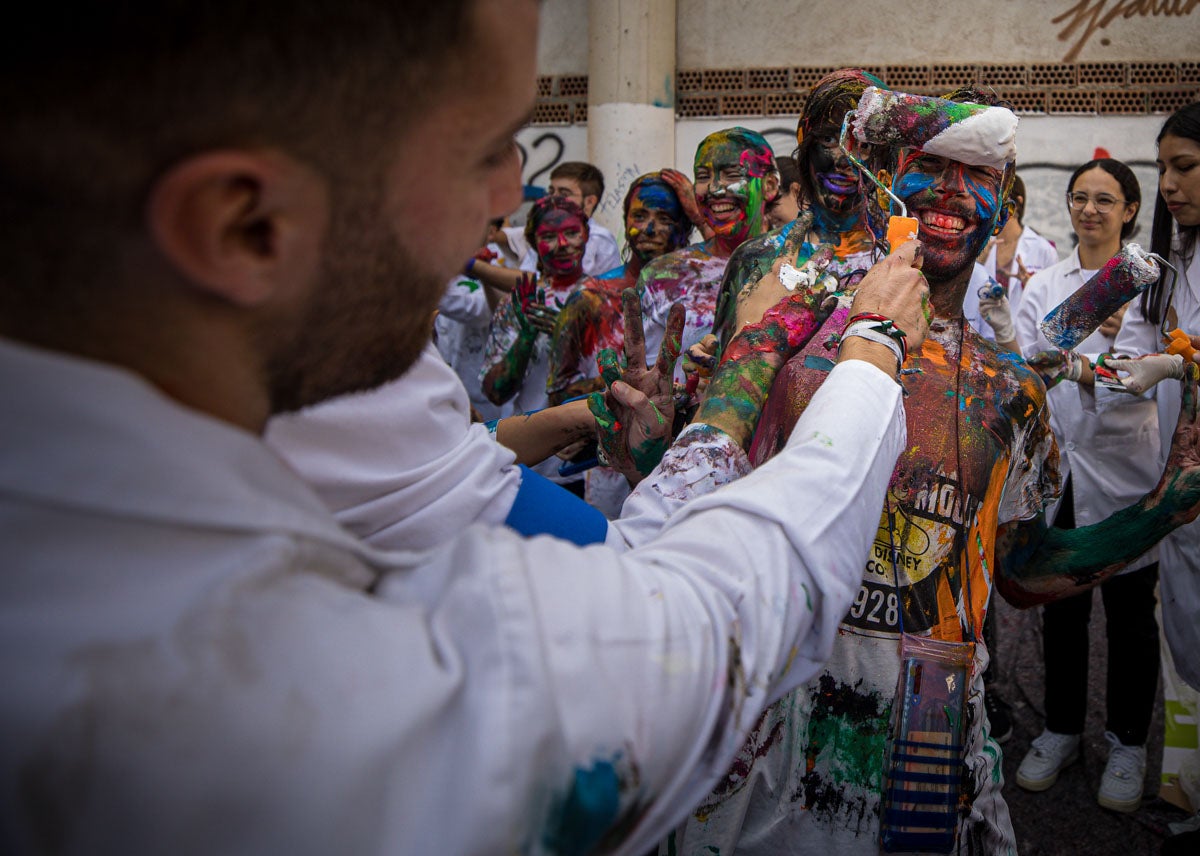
(589, 204)
(239, 225)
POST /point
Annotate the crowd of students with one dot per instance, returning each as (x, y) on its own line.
(808, 468)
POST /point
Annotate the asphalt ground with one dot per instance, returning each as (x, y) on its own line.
(1066, 819)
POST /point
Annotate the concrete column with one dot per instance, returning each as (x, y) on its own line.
(631, 96)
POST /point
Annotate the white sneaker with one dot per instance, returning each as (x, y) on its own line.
(1048, 755)
(1124, 776)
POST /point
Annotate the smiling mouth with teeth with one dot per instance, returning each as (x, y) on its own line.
(943, 221)
(719, 207)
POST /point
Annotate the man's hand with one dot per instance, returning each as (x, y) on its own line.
(1057, 365)
(698, 363)
(1141, 373)
(634, 417)
(895, 288)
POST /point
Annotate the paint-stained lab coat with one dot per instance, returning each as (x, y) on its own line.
(1112, 456)
(198, 659)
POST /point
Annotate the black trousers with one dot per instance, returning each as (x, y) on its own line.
(1131, 631)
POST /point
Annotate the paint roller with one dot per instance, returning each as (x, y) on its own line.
(973, 134)
(1123, 277)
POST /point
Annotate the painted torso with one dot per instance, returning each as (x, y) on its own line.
(979, 453)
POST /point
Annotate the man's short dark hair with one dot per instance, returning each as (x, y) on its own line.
(590, 179)
(100, 99)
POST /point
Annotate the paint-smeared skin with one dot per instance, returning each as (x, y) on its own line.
(741, 382)
(513, 342)
(590, 321)
(629, 443)
(1042, 564)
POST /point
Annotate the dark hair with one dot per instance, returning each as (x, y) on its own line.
(831, 98)
(789, 172)
(591, 180)
(1017, 196)
(97, 108)
(1124, 177)
(544, 206)
(1184, 122)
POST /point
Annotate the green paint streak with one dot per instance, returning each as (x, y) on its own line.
(854, 750)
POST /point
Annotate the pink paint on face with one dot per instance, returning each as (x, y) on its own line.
(561, 239)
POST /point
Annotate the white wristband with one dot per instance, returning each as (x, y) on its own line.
(866, 330)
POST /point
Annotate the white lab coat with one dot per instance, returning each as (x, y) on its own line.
(1113, 456)
(198, 659)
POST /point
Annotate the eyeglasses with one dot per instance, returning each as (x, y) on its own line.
(1102, 203)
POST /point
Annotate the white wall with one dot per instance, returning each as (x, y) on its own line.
(771, 33)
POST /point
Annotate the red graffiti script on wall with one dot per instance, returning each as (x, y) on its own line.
(1087, 16)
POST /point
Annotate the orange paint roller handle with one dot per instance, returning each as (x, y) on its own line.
(901, 230)
(1180, 343)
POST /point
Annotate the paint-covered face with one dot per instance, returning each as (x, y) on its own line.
(560, 240)
(1096, 228)
(729, 185)
(1179, 178)
(834, 180)
(959, 207)
(653, 222)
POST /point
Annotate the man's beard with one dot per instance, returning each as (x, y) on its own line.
(366, 321)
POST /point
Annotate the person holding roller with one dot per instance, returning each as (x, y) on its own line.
(889, 747)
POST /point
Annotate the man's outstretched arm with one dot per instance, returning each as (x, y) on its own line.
(1039, 564)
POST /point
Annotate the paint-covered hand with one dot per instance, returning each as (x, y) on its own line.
(998, 314)
(686, 191)
(1179, 487)
(698, 363)
(895, 288)
(635, 415)
(1141, 373)
(1057, 365)
(529, 302)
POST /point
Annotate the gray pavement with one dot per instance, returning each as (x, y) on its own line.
(1066, 819)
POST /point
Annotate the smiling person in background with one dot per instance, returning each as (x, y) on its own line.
(735, 175)
(591, 319)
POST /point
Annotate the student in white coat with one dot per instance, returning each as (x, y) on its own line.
(1111, 458)
(222, 211)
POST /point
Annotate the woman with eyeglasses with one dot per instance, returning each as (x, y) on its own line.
(1109, 460)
